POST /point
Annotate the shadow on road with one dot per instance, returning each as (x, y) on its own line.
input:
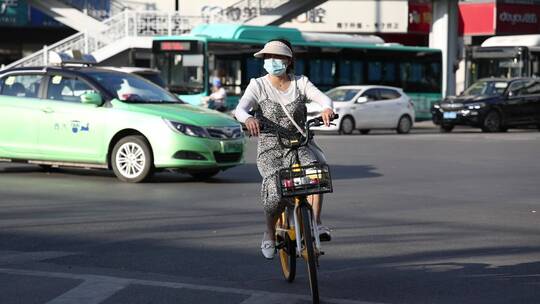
(247, 173)
(420, 277)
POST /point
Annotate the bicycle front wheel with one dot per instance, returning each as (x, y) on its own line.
(287, 252)
(309, 253)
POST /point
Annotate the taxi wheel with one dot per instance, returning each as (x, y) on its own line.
(132, 159)
(204, 174)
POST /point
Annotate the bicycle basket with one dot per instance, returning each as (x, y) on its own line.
(304, 180)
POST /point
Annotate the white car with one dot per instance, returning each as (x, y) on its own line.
(366, 108)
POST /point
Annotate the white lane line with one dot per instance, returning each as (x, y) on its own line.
(18, 257)
(91, 292)
(118, 282)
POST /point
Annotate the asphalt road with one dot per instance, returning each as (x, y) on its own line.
(420, 218)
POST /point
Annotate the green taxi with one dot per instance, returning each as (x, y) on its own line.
(84, 116)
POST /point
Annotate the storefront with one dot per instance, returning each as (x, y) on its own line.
(480, 20)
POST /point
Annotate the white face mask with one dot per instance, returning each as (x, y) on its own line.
(275, 66)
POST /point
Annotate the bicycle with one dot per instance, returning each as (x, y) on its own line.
(296, 230)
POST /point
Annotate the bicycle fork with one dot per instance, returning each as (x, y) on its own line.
(297, 203)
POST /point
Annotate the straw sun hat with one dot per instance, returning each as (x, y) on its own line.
(276, 48)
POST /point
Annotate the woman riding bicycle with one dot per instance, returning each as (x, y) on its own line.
(280, 100)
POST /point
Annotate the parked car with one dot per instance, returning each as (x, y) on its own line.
(100, 118)
(368, 107)
(492, 104)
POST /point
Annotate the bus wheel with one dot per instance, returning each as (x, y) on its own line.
(347, 125)
(446, 128)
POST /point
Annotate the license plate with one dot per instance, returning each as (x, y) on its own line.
(231, 147)
(450, 115)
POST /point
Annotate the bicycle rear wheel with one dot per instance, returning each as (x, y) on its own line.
(287, 253)
(309, 254)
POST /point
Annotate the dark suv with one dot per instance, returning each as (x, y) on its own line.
(492, 104)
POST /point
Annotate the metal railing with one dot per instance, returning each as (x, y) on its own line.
(130, 23)
(123, 25)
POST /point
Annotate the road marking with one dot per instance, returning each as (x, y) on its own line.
(17, 257)
(91, 292)
(107, 284)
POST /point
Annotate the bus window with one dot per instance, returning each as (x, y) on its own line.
(254, 68)
(350, 72)
(535, 64)
(374, 71)
(389, 73)
(299, 67)
(229, 70)
(187, 72)
(357, 72)
(322, 73)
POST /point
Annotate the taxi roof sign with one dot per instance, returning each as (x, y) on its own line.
(72, 57)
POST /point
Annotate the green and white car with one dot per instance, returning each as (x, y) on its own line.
(80, 116)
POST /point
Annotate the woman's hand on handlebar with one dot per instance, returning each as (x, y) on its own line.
(327, 116)
(253, 126)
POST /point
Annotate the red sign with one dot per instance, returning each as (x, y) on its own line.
(518, 19)
(476, 18)
(420, 17)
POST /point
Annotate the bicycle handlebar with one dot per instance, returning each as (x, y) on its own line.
(301, 140)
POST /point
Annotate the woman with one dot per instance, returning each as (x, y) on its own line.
(280, 98)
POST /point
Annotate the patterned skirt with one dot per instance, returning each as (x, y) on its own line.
(271, 157)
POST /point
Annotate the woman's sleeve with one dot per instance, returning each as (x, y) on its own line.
(315, 95)
(247, 102)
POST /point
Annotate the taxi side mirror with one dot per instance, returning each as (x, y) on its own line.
(92, 98)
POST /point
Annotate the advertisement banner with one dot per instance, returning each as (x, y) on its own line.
(518, 18)
(355, 17)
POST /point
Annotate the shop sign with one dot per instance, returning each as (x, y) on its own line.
(355, 17)
(518, 19)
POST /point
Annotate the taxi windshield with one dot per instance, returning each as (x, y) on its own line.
(131, 88)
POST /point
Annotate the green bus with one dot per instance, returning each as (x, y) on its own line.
(188, 63)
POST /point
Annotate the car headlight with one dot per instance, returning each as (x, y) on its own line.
(476, 106)
(186, 129)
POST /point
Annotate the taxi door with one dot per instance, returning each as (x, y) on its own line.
(20, 110)
(69, 129)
